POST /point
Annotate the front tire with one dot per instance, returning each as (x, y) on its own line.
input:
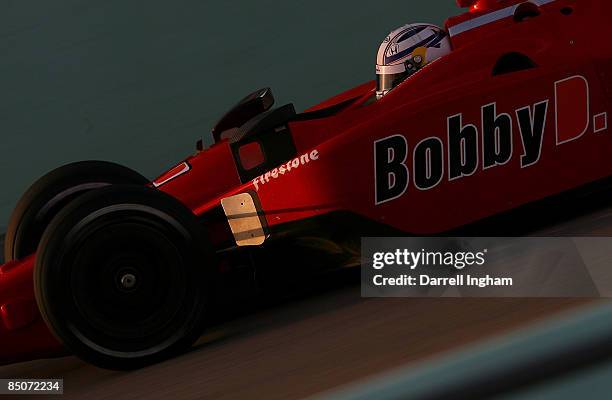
(122, 277)
(49, 194)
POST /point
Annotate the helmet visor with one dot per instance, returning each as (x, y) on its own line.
(386, 82)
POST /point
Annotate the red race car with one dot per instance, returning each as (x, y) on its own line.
(121, 271)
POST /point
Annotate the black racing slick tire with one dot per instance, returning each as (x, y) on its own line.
(123, 277)
(49, 194)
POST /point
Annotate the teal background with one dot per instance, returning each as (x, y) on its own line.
(138, 82)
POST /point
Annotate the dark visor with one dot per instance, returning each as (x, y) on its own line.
(389, 81)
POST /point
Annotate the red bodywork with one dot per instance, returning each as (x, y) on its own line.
(568, 85)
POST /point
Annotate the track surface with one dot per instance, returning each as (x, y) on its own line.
(314, 343)
(303, 348)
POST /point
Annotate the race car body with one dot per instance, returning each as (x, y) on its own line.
(518, 112)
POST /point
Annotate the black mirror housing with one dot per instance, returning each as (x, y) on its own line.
(252, 105)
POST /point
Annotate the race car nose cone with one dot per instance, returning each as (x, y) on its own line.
(128, 281)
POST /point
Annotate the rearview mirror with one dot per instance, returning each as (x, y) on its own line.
(252, 105)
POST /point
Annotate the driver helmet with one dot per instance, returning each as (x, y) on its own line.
(405, 51)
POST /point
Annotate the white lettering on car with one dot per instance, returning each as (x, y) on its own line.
(286, 168)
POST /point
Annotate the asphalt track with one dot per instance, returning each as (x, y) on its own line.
(303, 348)
(327, 337)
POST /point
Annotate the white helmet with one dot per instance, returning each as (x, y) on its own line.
(406, 50)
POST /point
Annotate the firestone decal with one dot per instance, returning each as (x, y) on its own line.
(468, 150)
(286, 168)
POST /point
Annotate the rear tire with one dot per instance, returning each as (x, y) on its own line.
(122, 277)
(49, 194)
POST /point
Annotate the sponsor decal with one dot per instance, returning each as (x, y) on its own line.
(286, 168)
(469, 148)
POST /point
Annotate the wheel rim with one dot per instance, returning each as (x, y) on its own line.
(128, 286)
